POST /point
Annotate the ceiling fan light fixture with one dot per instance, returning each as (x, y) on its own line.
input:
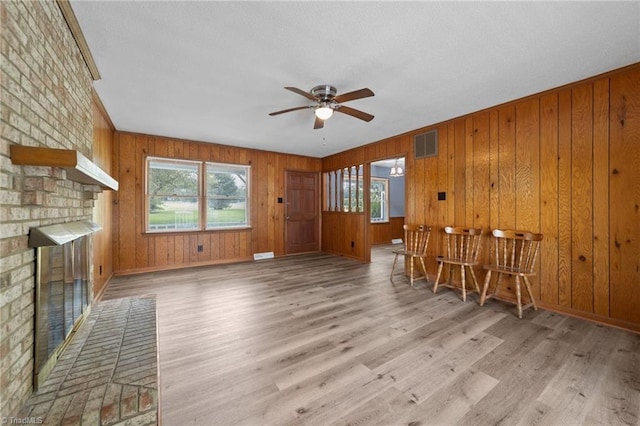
(323, 112)
(326, 102)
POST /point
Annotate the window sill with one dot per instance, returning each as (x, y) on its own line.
(196, 231)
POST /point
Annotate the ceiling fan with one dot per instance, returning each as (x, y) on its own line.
(326, 102)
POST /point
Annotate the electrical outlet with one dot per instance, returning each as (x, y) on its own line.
(200, 248)
(353, 244)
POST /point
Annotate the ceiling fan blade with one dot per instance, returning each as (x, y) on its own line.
(289, 110)
(302, 92)
(319, 123)
(356, 94)
(355, 113)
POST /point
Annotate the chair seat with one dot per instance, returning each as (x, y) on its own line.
(511, 271)
(456, 261)
(408, 253)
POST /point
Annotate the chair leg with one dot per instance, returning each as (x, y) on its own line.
(519, 296)
(393, 268)
(424, 269)
(411, 274)
(475, 280)
(435, 285)
(528, 286)
(464, 290)
(498, 283)
(487, 280)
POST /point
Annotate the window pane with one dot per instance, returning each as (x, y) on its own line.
(360, 189)
(173, 178)
(233, 214)
(379, 200)
(227, 192)
(226, 181)
(176, 213)
(172, 194)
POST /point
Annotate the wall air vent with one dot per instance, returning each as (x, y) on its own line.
(426, 144)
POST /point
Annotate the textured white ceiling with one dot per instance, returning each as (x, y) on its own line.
(212, 71)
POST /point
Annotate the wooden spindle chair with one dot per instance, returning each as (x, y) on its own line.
(515, 254)
(463, 247)
(416, 241)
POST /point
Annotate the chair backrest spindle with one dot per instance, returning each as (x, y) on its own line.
(463, 243)
(416, 238)
(516, 250)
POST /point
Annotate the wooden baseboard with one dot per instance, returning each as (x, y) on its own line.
(181, 266)
(612, 322)
(98, 297)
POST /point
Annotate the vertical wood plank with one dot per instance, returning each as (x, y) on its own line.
(469, 176)
(442, 186)
(460, 164)
(549, 198)
(528, 172)
(431, 207)
(451, 172)
(494, 170)
(481, 172)
(564, 198)
(419, 190)
(582, 199)
(507, 167)
(527, 160)
(601, 197)
(126, 200)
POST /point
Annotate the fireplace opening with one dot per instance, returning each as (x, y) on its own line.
(62, 289)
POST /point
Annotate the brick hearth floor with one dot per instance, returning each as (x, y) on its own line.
(109, 373)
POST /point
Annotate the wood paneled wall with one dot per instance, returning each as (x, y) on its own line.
(563, 163)
(103, 132)
(383, 233)
(136, 251)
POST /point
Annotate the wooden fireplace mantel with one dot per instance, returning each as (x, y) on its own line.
(79, 168)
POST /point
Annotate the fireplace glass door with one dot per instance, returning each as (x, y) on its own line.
(62, 298)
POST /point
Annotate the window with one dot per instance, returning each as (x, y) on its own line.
(379, 200)
(227, 201)
(344, 190)
(177, 199)
(172, 194)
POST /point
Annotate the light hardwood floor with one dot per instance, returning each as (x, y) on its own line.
(321, 339)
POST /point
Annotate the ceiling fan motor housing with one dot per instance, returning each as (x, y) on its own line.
(324, 92)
